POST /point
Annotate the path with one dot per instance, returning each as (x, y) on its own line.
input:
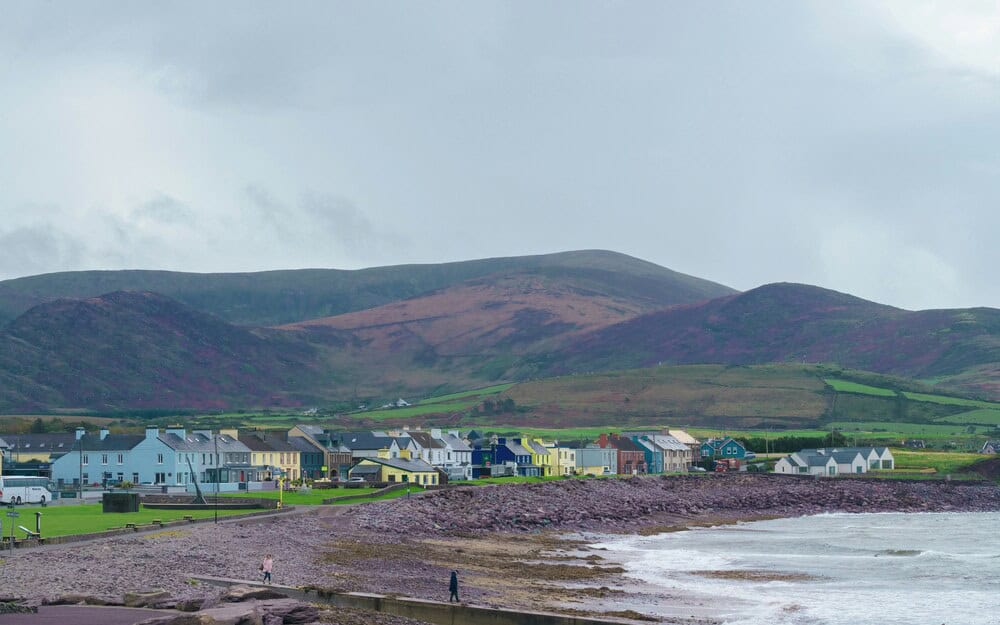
(80, 615)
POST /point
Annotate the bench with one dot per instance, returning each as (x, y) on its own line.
(130, 526)
(188, 517)
(156, 522)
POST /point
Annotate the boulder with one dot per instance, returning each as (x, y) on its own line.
(287, 612)
(78, 599)
(230, 614)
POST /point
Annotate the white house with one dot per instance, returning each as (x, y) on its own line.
(803, 463)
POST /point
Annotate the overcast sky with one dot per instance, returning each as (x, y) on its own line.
(845, 144)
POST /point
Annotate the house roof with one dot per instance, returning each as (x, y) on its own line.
(846, 456)
(517, 449)
(538, 448)
(683, 437)
(111, 442)
(625, 444)
(200, 442)
(304, 445)
(366, 468)
(456, 443)
(669, 442)
(49, 442)
(793, 459)
(262, 442)
(426, 441)
(365, 441)
(414, 466)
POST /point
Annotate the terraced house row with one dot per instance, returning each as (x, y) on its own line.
(178, 457)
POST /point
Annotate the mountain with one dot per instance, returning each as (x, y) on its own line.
(282, 297)
(143, 350)
(801, 323)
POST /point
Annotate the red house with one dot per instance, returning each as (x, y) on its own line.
(631, 457)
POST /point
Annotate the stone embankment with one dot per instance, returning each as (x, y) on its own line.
(614, 505)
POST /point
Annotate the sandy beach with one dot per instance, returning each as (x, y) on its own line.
(517, 546)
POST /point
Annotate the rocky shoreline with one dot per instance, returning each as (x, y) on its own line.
(507, 541)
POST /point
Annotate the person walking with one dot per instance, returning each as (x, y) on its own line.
(453, 587)
(266, 567)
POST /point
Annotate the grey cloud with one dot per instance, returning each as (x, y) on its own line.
(164, 209)
(38, 249)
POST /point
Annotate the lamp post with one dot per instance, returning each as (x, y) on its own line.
(80, 494)
(218, 475)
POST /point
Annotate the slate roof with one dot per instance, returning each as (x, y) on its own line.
(425, 440)
(456, 443)
(366, 441)
(50, 442)
(517, 449)
(366, 468)
(538, 448)
(669, 442)
(199, 442)
(111, 442)
(402, 463)
(258, 443)
(624, 444)
(304, 445)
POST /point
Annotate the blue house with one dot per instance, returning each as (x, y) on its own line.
(716, 448)
(514, 451)
(482, 462)
(653, 453)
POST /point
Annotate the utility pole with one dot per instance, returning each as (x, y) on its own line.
(80, 450)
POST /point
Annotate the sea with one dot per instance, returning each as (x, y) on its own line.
(828, 569)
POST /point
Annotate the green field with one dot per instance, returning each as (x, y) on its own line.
(843, 386)
(66, 520)
(940, 461)
(951, 401)
(892, 429)
(478, 392)
(979, 416)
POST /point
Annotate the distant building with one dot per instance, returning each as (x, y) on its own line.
(835, 461)
(990, 447)
(716, 448)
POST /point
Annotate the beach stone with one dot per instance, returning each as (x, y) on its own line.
(14, 607)
(287, 612)
(145, 598)
(230, 614)
(78, 599)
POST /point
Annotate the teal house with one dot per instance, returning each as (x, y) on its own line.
(718, 448)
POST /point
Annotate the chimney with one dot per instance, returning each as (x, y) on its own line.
(104, 433)
(231, 433)
(602, 441)
(179, 431)
(152, 432)
(435, 432)
(501, 441)
(80, 432)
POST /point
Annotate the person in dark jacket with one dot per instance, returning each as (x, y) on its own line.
(453, 587)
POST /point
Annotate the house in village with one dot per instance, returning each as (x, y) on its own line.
(653, 453)
(403, 469)
(541, 456)
(563, 459)
(271, 452)
(594, 460)
(511, 450)
(429, 449)
(458, 454)
(835, 461)
(337, 459)
(720, 448)
(311, 457)
(990, 447)
(631, 456)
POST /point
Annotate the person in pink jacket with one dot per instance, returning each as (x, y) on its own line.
(266, 566)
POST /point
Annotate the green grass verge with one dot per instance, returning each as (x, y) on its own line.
(894, 429)
(68, 520)
(843, 386)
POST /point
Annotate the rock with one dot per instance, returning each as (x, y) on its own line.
(15, 607)
(190, 605)
(146, 598)
(230, 614)
(78, 599)
(287, 611)
(236, 594)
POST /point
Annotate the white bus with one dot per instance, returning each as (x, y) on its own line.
(24, 489)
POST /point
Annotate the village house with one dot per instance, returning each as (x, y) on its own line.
(806, 464)
(594, 460)
(270, 452)
(990, 447)
(653, 453)
(631, 457)
(458, 454)
(718, 448)
(337, 459)
(403, 469)
(540, 456)
(311, 457)
(563, 459)
(511, 450)
(835, 461)
(429, 449)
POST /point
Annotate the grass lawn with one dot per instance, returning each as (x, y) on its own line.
(86, 518)
(892, 429)
(940, 461)
(843, 386)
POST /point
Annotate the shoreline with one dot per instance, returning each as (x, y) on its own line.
(515, 546)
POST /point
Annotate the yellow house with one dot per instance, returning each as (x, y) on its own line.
(395, 470)
(541, 456)
(563, 460)
(271, 451)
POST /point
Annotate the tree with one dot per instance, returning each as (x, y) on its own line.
(38, 426)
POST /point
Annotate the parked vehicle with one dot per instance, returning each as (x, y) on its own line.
(20, 489)
(727, 464)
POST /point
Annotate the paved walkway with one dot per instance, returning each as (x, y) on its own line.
(80, 615)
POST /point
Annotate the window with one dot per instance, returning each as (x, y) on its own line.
(135, 478)
(121, 458)
(86, 477)
(203, 458)
(104, 458)
(121, 477)
(86, 459)
(159, 458)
